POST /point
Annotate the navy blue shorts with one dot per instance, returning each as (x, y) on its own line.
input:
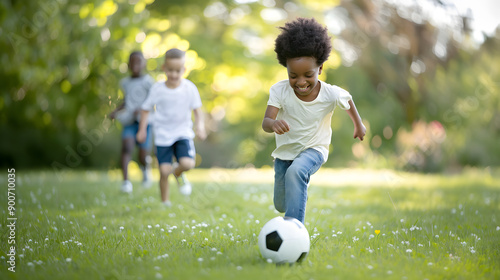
(181, 148)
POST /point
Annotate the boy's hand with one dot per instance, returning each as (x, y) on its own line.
(280, 127)
(201, 133)
(141, 136)
(359, 131)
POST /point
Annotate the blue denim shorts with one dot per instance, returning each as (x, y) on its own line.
(130, 131)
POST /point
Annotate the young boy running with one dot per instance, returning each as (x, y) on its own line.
(175, 100)
(299, 112)
(135, 89)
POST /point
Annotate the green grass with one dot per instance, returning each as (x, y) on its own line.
(77, 225)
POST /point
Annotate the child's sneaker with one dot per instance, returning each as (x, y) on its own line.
(167, 203)
(184, 185)
(182, 181)
(127, 186)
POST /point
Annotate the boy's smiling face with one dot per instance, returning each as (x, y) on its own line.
(303, 76)
(174, 69)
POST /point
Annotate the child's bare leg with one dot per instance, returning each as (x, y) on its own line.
(165, 171)
(143, 153)
(126, 155)
(185, 164)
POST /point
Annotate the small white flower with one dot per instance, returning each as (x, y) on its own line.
(329, 267)
(429, 264)
(149, 226)
(103, 228)
(68, 259)
(30, 264)
(200, 259)
(239, 268)
(437, 236)
(408, 251)
(369, 267)
(122, 228)
(498, 228)
(389, 272)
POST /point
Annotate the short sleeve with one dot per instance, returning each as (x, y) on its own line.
(149, 103)
(196, 99)
(150, 81)
(274, 98)
(122, 85)
(343, 98)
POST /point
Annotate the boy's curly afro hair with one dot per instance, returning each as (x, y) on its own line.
(303, 37)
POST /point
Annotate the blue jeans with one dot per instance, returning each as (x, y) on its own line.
(291, 178)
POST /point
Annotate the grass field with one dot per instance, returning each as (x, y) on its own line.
(363, 224)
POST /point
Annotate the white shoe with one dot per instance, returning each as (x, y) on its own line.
(184, 185)
(167, 203)
(185, 188)
(127, 186)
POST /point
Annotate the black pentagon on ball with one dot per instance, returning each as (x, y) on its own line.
(273, 241)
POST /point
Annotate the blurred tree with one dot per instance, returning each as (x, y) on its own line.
(62, 61)
(398, 45)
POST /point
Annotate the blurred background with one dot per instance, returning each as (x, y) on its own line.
(425, 76)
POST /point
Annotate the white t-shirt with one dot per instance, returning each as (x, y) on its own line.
(174, 108)
(135, 91)
(310, 122)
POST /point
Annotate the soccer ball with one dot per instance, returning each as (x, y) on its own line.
(284, 240)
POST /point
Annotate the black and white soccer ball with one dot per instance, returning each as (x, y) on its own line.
(284, 240)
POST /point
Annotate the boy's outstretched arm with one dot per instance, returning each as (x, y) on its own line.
(199, 124)
(359, 127)
(270, 124)
(143, 126)
(112, 115)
